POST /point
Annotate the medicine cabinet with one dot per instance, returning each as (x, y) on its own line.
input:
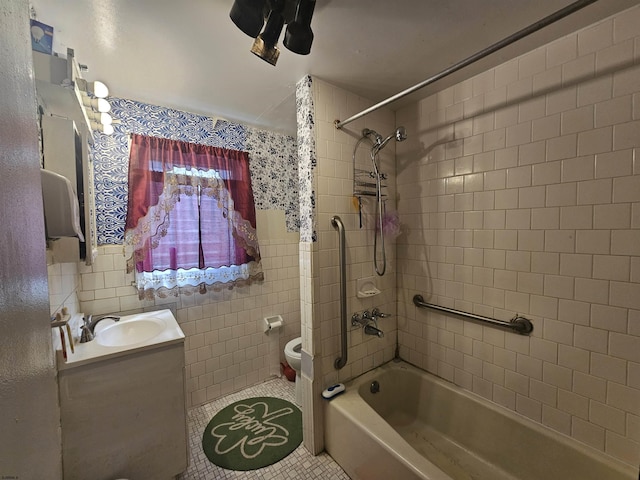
(65, 139)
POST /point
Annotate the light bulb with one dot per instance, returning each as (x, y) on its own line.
(103, 105)
(106, 129)
(100, 90)
(98, 104)
(105, 119)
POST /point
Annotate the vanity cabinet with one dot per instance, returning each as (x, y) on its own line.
(125, 417)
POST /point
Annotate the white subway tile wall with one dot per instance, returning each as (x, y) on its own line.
(551, 159)
(334, 175)
(63, 282)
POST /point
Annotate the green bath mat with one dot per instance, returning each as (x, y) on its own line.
(252, 433)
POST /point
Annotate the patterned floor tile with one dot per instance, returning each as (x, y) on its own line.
(299, 465)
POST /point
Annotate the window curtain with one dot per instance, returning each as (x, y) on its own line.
(190, 218)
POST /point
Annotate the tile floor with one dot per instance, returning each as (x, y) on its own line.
(300, 464)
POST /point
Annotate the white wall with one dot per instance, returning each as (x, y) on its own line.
(30, 417)
(521, 189)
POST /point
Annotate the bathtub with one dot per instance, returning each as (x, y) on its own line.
(419, 426)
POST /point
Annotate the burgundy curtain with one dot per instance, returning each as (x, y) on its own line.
(190, 206)
(150, 157)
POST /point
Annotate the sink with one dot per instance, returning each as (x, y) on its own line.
(130, 332)
(136, 332)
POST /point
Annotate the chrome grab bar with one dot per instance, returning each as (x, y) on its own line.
(518, 323)
(341, 361)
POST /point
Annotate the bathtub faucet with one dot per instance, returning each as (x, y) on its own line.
(366, 320)
(360, 321)
(371, 330)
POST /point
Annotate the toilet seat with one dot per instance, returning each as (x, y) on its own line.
(293, 355)
(294, 347)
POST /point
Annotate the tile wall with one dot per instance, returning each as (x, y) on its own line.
(64, 282)
(312, 432)
(226, 349)
(333, 184)
(521, 192)
(334, 175)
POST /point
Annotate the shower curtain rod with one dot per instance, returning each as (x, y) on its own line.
(534, 27)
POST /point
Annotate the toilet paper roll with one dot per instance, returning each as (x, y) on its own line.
(272, 328)
(272, 323)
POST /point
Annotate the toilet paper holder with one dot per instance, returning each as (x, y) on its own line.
(272, 323)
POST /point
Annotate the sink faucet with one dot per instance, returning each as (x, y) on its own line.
(89, 326)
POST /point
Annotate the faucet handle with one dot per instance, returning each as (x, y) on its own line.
(86, 335)
(378, 314)
(366, 315)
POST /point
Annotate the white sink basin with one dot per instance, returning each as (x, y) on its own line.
(130, 332)
(133, 333)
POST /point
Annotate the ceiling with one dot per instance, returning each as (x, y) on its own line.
(190, 56)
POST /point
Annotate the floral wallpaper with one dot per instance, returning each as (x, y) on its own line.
(273, 160)
(307, 158)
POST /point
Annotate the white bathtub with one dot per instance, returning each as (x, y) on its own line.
(421, 427)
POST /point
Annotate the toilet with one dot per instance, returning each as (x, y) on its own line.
(292, 353)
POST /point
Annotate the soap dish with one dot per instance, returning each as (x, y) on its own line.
(366, 287)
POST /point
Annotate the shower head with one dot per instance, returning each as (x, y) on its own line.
(400, 135)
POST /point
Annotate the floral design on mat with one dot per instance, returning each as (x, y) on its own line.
(253, 433)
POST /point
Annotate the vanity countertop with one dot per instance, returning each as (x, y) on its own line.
(93, 351)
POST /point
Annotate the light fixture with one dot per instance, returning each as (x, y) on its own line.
(98, 104)
(106, 129)
(98, 89)
(299, 36)
(100, 117)
(249, 15)
(265, 45)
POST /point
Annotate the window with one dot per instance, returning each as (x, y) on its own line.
(190, 218)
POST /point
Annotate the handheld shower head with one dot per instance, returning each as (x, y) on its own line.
(366, 132)
(377, 144)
